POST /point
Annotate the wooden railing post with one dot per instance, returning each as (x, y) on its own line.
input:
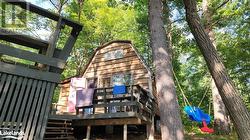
(105, 100)
(88, 132)
(93, 102)
(125, 130)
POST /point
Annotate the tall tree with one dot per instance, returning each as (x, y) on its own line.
(171, 125)
(221, 119)
(55, 35)
(229, 94)
(168, 24)
(103, 21)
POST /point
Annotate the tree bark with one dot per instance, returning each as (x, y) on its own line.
(171, 125)
(168, 26)
(221, 119)
(230, 96)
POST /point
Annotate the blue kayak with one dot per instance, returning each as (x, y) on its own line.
(196, 114)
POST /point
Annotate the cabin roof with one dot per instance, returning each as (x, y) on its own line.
(109, 43)
(103, 46)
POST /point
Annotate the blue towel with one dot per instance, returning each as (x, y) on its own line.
(121, 89)
(196, 114)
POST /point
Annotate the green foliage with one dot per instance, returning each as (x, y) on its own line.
(232, 36)
(56, 95)
(199, 136)
(104, 21)
(107, 20)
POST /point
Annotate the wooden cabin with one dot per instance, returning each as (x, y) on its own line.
(115, 63)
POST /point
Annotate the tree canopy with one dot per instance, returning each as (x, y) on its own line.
(107, 20)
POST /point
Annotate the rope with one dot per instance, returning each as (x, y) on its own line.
(204, 95)
(209, 108)
(186, 102)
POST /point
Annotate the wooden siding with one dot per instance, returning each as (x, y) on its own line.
(101, 69)
(130, 63)
(63, 98)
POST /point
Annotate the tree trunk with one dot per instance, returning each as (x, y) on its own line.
(230, 96)
(168, 26)
(171, 125)
(221, 119)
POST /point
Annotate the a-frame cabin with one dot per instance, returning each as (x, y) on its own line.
(115, 63)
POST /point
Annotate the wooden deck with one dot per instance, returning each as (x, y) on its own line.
(134, 107)
(119, 118)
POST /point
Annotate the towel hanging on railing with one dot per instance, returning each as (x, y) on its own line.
(119, 89)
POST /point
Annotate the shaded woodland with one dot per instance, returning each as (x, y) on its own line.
(198, 51)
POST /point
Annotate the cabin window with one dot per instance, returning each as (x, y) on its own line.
(105, 82)
(121, 79)
(116, 54)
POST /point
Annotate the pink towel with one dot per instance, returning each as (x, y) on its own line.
(84, 97)
(76, 84)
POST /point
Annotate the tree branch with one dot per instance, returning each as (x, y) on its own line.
(177, 20)
(56, 6)
(222, 4)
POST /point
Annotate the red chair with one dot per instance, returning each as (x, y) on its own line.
(205, 128)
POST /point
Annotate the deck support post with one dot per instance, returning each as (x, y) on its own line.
(150, 130)
(88, 132)
(125, 126)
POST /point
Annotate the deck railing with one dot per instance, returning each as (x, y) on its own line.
(136, 102)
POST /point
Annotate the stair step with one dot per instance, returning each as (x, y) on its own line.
(60, 138)
(59, 128)
(58, 133)
(60, 123)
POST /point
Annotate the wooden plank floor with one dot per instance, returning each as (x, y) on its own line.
(118, 118)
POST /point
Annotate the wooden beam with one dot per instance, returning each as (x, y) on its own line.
(115, 104)
(110, 115)
(54, 39)
(125, 131)
(26, 108)
(63, 117)
(18, 53)
(47, 110)
(121, 121)
(27, 72)
(69, 45)
(113, 99)
(67, 49)
(88, 132)
(22, 39)
(23, 107)
(2, 81)
(43, 12)
(39, 106)
(26, 41)
(5, 93)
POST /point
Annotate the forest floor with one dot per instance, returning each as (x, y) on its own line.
(187, 137)
(210, 137)
(190, 134)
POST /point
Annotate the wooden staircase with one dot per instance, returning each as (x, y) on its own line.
(59, 130)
